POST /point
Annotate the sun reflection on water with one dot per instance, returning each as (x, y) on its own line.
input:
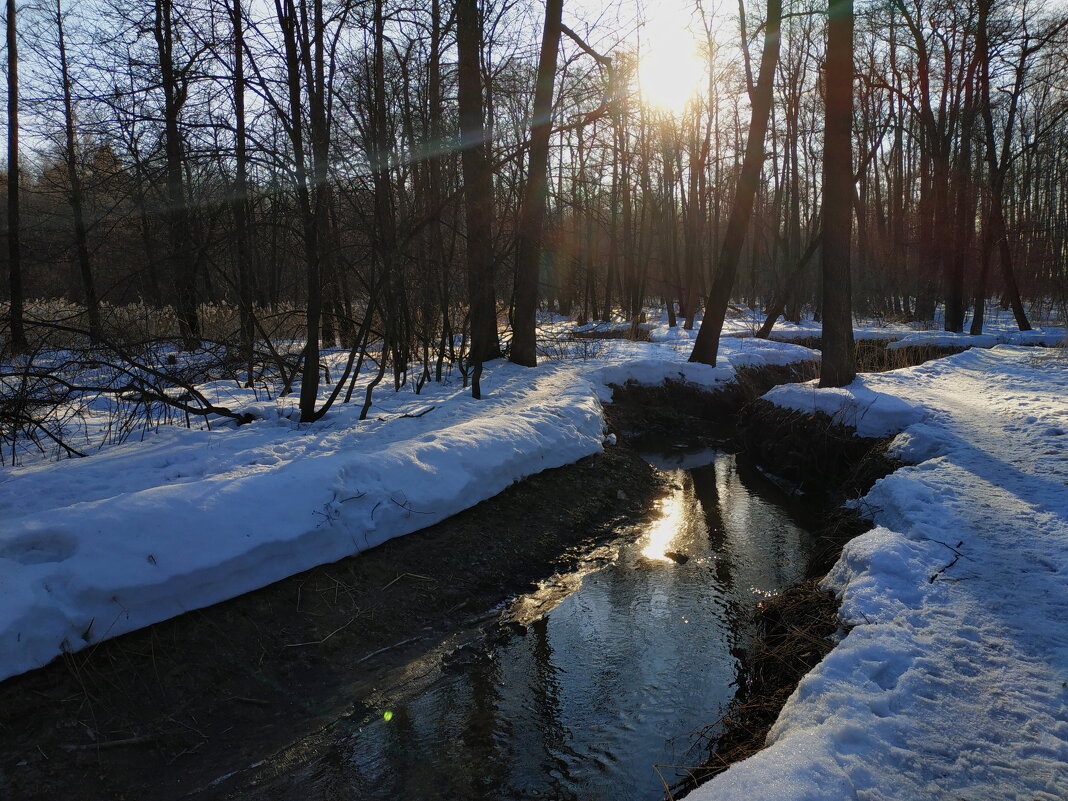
(667, 526)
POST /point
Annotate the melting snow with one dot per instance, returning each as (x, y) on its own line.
(952, 681)
(140, 532)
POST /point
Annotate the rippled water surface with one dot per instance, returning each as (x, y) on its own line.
(617, 679)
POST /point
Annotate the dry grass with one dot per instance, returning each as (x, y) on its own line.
(54, 324)
(797, 629)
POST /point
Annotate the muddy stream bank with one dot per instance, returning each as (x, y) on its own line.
(531, 647)
(596, 685)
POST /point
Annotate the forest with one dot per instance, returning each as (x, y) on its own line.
(415, 183)
(492, 399)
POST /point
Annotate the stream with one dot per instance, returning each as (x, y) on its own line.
(609, 676)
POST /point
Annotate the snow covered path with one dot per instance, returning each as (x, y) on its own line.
(953, 680)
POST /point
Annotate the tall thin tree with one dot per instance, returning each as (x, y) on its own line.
(174, 83)
(706, 347)
(838, 364)
(532, 211)
(17, 312)
(74, 179)
(478, 191)
(239, 205)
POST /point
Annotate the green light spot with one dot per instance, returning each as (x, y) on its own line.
(387, 715)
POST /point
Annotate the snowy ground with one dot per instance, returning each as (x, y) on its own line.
(952, 681)
(150, 528)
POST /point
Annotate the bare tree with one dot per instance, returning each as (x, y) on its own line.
(18, 329)
(837, 366)
(174, 81)
(478, 192)
(74, 179)
(532, 210)
(706, 347)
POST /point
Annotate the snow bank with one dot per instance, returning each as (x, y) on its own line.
(952, 681)
(945, 339)
(872, 414)
(140, 532)
(653, 372)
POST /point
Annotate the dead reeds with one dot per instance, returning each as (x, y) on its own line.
(797, 629)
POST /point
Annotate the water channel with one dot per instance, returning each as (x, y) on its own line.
(613, 672)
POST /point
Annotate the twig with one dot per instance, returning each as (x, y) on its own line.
(947, 567)
(402, 575)
(144, 738)
(324, 639)
(387, 648)
(427, 410)
(245, 700)
(663, 781)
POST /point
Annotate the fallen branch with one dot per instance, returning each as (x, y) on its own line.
(387, 648)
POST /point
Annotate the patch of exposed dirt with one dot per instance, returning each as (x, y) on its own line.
(651, 417)
(873, 355)
(160, 712)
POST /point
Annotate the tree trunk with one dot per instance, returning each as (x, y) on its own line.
(182, 262)
(92, 301)
(18, 326)
(838, 363)
(706, 348)
(997, 167)
(239, 205)
(789, 290)
(532, 212)
(309, 386)
(478, 192)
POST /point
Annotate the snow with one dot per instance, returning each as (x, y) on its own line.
(871, 413)
(999, 326)
(145, 530)
(945, 339)
(951, 676)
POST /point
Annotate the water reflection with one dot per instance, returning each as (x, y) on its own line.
(617, 678)
(671, 522)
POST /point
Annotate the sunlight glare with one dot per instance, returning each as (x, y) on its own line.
(671, 69)
(670, 522)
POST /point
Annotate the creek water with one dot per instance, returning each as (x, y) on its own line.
(612, 676)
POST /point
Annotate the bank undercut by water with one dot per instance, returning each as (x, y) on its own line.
(827, 461)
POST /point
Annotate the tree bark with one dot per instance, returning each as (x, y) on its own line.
(706, 348)
(532, 212)
(17, 313)
(92, 301)
(997, 166)
(174, 97)
(478, 192)
(309, 386)
(239, 205)
(838, 363)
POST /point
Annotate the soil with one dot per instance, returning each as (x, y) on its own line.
(163, 712)
(873, 355)
(166, 710)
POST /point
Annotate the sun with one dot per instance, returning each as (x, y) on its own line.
(672, 71)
